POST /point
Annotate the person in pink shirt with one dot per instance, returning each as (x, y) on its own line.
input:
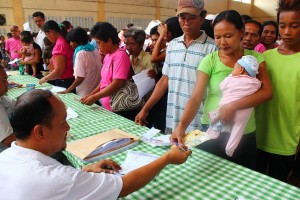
(61, 65)
(240, 83)
(87, 65)
(116, 65)
(268, 37)
(13, 45)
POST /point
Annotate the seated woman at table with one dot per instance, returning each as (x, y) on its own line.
(228, 31)
(87, 65)
(61, 65)
(37, 59)
(116, 65)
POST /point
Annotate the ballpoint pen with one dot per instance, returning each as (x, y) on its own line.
(177, 145)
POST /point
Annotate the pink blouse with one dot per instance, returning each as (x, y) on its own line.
(115, 66)
(62, 47)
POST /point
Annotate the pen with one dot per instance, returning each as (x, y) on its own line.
(177, 145)
(111, 170)
(76, 99)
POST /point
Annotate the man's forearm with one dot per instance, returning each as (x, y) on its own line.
(141, 176)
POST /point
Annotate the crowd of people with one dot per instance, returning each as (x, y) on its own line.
(226, 66)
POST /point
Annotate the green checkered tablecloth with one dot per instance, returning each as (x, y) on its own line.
(202, 177)
(24, 79)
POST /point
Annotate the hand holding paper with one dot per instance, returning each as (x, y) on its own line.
(143, 82)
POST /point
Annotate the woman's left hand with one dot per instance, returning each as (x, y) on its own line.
(42, 80)
(151, 73)
(226, 114)
(90, 100)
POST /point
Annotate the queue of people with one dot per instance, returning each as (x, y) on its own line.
(190, 86)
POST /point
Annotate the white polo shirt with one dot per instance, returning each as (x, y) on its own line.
(30, 175)
(39, 39)
(6, 107)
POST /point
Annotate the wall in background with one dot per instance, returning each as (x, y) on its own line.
(85, 13)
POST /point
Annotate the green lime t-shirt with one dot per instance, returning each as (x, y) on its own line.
(217, 72)
(278, 120)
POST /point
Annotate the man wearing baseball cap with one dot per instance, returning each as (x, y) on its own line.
(183, 55)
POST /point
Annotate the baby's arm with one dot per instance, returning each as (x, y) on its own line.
(23, 53)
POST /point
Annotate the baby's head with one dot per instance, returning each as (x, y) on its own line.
(247, 65)
(26, 41)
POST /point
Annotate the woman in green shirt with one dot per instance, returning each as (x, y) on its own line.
(228, 32)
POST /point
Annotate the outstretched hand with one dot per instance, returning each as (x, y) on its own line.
(177, 136)
(177, 156)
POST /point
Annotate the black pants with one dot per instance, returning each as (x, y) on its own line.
(128, 114)
(157, 115)
(245, 153)
(65, 83)
(296, 166)
(276, 166)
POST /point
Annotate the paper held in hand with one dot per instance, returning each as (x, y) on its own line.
(143, 83)
(102, 145)
(195, 138)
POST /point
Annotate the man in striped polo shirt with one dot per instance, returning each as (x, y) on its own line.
(183, 56)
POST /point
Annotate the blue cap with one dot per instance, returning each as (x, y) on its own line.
(250, 64)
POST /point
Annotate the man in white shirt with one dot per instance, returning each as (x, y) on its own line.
(6, 108)
(40, 126)
(39, 20)
(183, 56)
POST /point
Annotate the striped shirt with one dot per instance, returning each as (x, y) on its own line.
(181, 69)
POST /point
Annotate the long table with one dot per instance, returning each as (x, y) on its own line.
(204, 176)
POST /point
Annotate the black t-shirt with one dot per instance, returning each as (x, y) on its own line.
(39, 65)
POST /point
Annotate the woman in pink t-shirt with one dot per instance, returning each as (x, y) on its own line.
(268, 37)
(61, 66)
(116, 65)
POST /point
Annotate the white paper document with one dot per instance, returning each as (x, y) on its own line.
(136, 159)
(71, 113)
(151, 133)
(26, 27)
(160, 141)
(144, 83)
(56, 89)
(14, 61)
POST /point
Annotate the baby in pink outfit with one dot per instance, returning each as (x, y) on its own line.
(240, 83)
(27, 52)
